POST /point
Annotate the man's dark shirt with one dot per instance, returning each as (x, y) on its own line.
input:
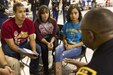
(102, 60)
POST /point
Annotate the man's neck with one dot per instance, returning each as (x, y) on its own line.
(18, 23)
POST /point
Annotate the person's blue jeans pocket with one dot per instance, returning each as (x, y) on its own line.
(7, 51)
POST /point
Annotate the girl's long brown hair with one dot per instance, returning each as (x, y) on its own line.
(71, 7)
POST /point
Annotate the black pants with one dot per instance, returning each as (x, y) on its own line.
(44, 50)
(44, 2)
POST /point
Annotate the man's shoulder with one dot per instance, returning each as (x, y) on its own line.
(8, 21)
(28, 20)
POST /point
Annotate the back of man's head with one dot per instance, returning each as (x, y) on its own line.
(100, 22)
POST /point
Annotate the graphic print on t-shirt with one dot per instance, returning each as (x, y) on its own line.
(20, 37)
(46, 28)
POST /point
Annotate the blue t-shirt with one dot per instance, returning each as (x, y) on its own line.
(72, 32)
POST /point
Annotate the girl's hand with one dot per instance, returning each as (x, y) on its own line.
(68, 47)
(50, 46)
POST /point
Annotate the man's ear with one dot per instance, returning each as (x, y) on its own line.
(90, 35)
(14, 12)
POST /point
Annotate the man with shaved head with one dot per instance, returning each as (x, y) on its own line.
(97, 31)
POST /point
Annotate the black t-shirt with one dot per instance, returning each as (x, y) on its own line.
(66, 2)
(102, 60)
(44, 2)
(3, 6)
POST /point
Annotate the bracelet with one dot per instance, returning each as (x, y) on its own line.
(5, 65)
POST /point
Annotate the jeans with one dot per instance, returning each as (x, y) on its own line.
(61, 53)
(64, 16)
(55, 14)
(34, 63)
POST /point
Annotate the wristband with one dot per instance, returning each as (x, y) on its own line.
(5, 65)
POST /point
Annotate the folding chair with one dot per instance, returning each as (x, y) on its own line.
(80, 57)
(83, 54)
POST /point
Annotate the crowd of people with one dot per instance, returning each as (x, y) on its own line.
(18, 33)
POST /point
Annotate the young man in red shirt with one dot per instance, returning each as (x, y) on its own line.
(15, 34)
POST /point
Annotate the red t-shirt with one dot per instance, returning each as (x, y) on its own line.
(11, 30)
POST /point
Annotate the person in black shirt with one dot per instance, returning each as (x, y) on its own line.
(55, 8)
(58, 6)
(97, 31)
(44, 2)
(34, 6)
(3, 11)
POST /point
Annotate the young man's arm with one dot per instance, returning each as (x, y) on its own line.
(32, 42)
(15, 48)
(2, 58)
(12, 45)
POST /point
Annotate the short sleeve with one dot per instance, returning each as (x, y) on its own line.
(31, 26)
(6, 32)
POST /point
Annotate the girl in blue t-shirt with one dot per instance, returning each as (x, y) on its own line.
(72, 44)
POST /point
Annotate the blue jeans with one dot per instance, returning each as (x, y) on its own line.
(34, 63)
(64, 16)
(55, 14)
(61, 53)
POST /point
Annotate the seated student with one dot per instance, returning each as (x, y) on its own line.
(97, 31)
(46, 30)
(18, 32)
(72, 44)
(4, 66)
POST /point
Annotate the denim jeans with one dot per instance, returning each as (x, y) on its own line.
(61, 53)
(34, 63)
(55, 14)
(64, 16)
